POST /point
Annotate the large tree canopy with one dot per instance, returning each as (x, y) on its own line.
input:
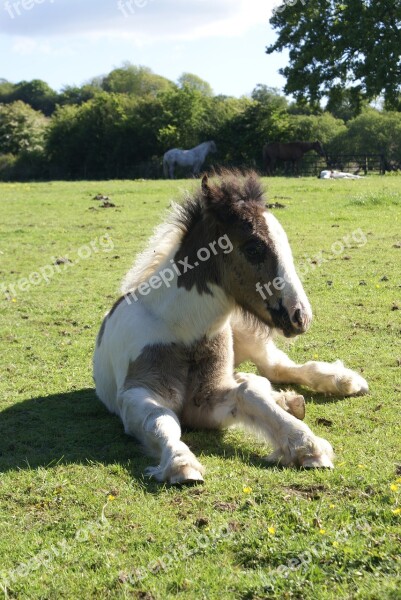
(334, 45)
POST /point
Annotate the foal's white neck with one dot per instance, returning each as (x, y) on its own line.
(188, 314)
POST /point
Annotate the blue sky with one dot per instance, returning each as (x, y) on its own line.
(66, 42)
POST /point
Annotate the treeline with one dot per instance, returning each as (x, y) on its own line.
(120, 125)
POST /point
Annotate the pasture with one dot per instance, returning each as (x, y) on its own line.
(78, 518)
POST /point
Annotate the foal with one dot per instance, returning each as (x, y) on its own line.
(210, 291)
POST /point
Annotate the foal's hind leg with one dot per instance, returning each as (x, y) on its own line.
(252, 402)
(158, 428)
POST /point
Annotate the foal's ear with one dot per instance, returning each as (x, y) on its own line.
(210, 194)
(214, 201)
(205, 185)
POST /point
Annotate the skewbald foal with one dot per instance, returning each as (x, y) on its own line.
(191, 311)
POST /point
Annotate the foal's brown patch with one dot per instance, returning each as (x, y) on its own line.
(231, 205)
(187, 379)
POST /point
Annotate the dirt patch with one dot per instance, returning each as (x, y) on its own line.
(275, 205)
(225, 506)
(325, 422)
(310, 492)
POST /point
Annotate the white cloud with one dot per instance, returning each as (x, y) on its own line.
(141, 21)
(27, 46)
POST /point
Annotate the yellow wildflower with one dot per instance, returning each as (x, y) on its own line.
(247, 490)
(394, 487)
(271, 530)
(396, 511)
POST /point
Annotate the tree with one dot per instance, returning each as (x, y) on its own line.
(195, 83)
(345, 104)
(184, 113)
(36, 93)
(77, 95)
(245, 133)
(269, 97)
(136, 81)
(324, 128)
(6, 91)
(374, 132)
(87, 141)
(22, 129)
(354, 44)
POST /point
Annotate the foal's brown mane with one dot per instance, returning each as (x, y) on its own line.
(230, 194)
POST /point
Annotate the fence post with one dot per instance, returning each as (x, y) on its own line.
(382, 165)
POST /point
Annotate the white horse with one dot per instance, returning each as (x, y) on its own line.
(193, 158)
(338, 175)
(214, 285)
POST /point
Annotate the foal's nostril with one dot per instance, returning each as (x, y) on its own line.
(298, 318)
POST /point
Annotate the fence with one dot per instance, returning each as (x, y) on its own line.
(311, 166)
(350, 163)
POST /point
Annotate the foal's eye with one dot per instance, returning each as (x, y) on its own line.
(255, 251)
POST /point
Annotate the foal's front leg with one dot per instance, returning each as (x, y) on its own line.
(253, 403)
(158, 428)
(327, 378)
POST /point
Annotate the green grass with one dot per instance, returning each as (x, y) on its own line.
(77, 517)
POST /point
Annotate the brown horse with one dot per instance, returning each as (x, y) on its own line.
(293, 152)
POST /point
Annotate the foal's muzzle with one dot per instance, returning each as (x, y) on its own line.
(292, 322)
(300, 318)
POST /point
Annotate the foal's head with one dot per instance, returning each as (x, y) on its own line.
(259, 272)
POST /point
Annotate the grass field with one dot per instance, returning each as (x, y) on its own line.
(77, 517)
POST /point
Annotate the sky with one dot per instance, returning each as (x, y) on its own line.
(67, 42)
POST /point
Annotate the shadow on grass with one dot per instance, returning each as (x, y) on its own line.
(75, 427)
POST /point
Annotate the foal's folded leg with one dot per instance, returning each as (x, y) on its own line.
(158, 428)
(253, 403)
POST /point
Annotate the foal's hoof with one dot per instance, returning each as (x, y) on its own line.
(291, 402)
(322, 458)
(187, 476)
(295, 404)
(348, 382)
